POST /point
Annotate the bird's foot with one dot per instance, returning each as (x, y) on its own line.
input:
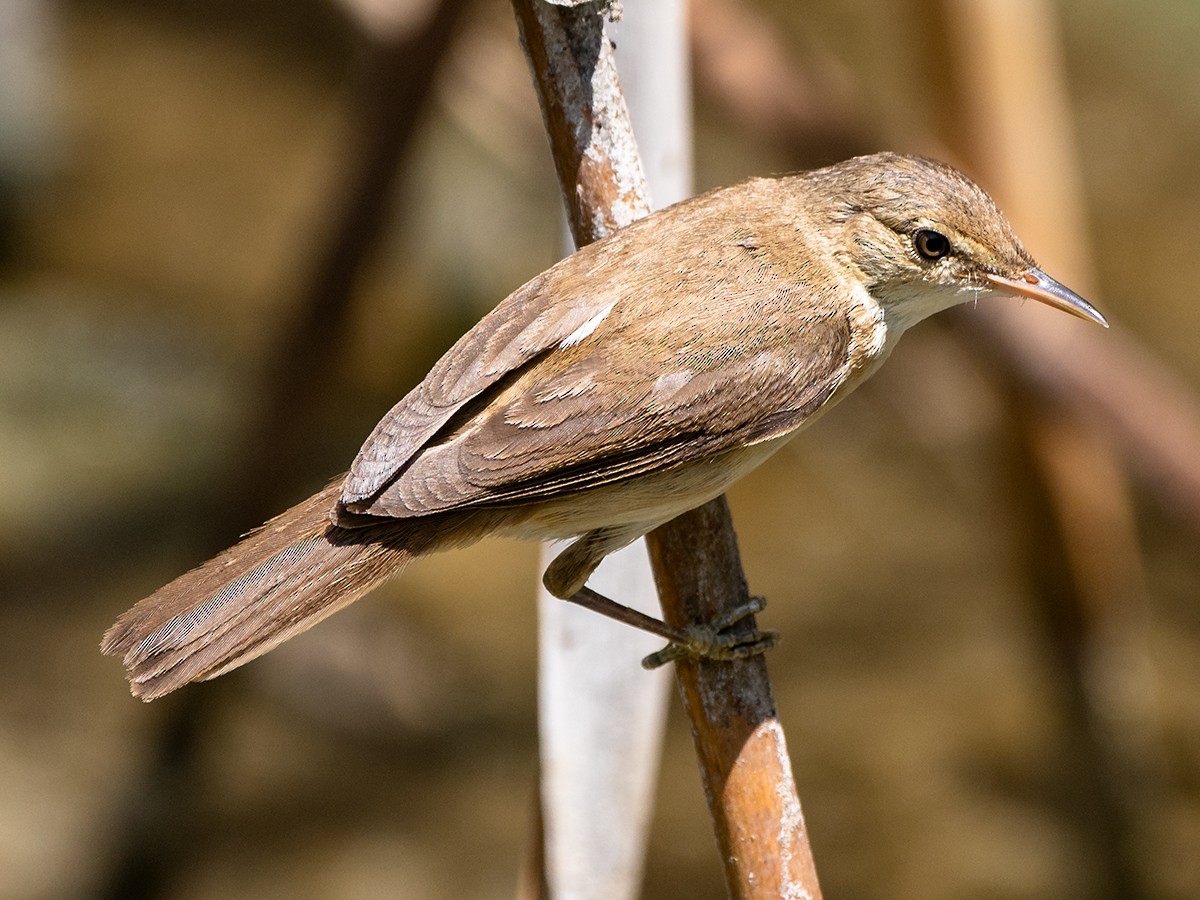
(711, 640)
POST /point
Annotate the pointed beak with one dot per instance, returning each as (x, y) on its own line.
(1037, 285)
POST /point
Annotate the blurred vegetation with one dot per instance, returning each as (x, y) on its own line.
(166, 176)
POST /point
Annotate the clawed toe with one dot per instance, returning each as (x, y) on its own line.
(710, 640)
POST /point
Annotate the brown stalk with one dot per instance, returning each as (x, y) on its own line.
(743, 756)
(385, 107)
(394, 81)
(1081, 540)
(739, 741)
(1079, 543)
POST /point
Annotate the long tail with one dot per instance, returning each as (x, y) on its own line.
(278, 581)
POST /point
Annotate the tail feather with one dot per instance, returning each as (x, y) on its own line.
(278, 581)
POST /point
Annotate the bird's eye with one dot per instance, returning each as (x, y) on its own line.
(931, 244)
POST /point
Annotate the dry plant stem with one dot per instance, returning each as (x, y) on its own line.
(531, 877)
(591, 138)
(1084, 595)
(394, 81)
(1082, 544)
(740, 745)
(601, 718)
(1088, 489)
(590, 141)
(743, 757)
(382, 122)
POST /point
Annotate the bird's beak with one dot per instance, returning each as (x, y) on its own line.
(1037, 285)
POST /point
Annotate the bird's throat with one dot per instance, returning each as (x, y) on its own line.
(905, 305)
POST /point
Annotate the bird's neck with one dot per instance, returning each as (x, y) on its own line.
(907, 303)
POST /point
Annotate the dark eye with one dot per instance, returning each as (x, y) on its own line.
(931, 244)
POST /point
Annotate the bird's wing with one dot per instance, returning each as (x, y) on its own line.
(517, 331)
(555, 308)
(752, 364)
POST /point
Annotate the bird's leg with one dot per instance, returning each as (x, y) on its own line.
(566, 578)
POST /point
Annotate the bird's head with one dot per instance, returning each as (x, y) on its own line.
(924, 237)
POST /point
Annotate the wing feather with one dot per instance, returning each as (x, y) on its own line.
(516, 331)
(592, 423)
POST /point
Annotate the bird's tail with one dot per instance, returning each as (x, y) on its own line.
(278, 581)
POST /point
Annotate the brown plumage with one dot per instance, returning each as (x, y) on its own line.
(634, 380)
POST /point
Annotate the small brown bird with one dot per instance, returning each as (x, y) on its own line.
(634, 380)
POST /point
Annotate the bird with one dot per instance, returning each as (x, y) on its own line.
(634, 380)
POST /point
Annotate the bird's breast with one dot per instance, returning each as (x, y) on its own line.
(649, 499)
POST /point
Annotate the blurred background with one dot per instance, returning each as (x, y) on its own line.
(232, 234)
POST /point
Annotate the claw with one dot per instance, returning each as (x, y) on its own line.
(751, 607)
(709, 641)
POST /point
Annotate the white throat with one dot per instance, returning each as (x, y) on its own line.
(907, 304)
